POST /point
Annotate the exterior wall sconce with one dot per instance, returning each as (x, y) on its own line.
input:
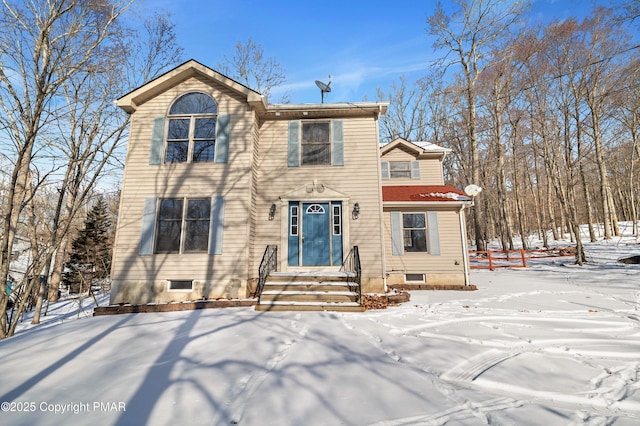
(356, 211)
(272, 211)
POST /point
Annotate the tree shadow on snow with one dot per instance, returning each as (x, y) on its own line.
(329, 359)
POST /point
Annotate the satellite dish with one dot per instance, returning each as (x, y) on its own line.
(324, 88)
(472, 190)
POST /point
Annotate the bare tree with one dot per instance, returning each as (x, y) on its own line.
(249, 66)
(629, 11)
(150, 50)
(629, 117)
(468, 34)
(43, 44)
(72, 67)
(406, 116)
(93, 130)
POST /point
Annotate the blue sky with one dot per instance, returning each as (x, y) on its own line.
(362, 44)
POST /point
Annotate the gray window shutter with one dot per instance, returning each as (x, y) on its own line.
(157, 137)
(385, 170)
(222, 138)
(434, 234)
(397, 238)
(337, 143)
(216, 230)
(293, 150)
(415, 170)
(147, 235)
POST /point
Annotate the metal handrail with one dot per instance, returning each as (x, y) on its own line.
(268, 264)
(352, 266)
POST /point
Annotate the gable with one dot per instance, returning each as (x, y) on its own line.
(190, 69)
(400, 154)
(417, 149)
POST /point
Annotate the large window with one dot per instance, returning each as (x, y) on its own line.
(414, 229)
(414, 233)
(183, 226)
(191, 135)
(316, 143)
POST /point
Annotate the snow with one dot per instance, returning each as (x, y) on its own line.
(554, 344)
(450, 195)
(429, 146)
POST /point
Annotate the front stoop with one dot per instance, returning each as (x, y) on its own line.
(290, 291)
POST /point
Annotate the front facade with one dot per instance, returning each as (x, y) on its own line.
(214, 174)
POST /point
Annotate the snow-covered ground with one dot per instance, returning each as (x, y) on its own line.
(553, 344)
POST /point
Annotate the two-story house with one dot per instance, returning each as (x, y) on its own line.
(214, 174)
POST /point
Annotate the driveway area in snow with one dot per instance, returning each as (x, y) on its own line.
(553, 344)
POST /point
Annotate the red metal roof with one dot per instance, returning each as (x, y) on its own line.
(423, 193)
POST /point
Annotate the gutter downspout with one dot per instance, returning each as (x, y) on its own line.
(465, 248)
(381, 202)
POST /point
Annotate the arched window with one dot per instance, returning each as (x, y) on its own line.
(315, 209)
(191, 136)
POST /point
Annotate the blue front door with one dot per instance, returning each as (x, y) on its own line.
(316, 234)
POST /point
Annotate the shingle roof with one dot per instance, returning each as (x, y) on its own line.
(423, 193)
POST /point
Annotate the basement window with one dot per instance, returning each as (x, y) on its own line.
(414, 278)
(180, 285)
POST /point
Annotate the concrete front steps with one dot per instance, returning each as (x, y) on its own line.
(309, 291)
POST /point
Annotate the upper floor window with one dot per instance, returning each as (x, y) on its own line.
(191, 135)
(312, 143)
(400, 169)
(316, 143)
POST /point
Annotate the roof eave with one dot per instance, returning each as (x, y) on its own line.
(284, 111)
(460, 203)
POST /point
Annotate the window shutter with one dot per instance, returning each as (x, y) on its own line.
(293, 151)
(337, 143)
(415, 170)
(385, 170)
(397, 238)
(222, 138)
(216, 230)
(434, 234)
(157, 137)
(148, 227)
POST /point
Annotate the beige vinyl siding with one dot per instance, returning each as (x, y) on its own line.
(450, 262)
(430, 169)
(358, 179)
(223, 274)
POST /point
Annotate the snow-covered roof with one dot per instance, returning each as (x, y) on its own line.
(430, 147)
(417, 147)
